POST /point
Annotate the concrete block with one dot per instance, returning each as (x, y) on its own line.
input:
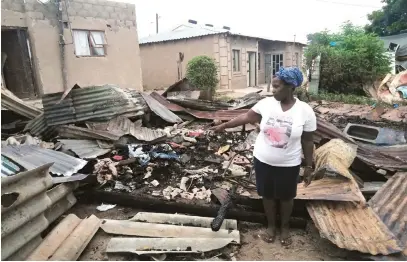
(77, 6)
(114, 15)
(36, 15)
(118, 9)
(28, 7)
(87, 6)
(103, 14)
(109, 9)
(120, 23)
(82, 13)
(121, 5)
(18, 7)
(223, 61)
(129, 23)
(224, 71)
(223, 51)
(93, 13)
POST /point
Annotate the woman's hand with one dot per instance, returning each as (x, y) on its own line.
(218, 128)
(308, 175)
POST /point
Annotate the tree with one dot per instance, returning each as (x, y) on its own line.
(202, 73)
(390, 20)
(349, 59)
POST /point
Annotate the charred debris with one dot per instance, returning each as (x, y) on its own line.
(154, 152)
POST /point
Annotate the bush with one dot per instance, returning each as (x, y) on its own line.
(349, 59)
(202, 73)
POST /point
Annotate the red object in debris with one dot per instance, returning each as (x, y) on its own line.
(175, 145)
(195, 134)
(117, 157)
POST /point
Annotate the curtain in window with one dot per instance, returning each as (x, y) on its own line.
(81, 43)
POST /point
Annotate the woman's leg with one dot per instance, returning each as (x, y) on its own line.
(286, 208)
(270, 210)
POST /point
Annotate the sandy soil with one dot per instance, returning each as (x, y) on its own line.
(307, 245)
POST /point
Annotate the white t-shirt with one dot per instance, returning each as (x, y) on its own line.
(279, 140)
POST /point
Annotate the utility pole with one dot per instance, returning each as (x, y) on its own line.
(156, 23)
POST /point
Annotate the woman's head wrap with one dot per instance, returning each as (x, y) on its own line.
(290, 75)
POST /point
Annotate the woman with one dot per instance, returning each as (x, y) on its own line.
(286, 128)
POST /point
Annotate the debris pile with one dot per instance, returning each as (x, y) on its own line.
(146, 146)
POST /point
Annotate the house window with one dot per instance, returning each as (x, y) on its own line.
(236, 60)
(258, 61)
(277, 63)
(89, 43)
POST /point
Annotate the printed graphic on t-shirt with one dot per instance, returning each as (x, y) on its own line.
(278, 130)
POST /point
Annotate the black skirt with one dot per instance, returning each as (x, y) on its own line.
(275, 182)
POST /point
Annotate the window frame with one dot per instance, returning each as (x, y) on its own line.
(234, 69)
(91, 40)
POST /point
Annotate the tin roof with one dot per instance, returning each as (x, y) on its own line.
(390, 204)
(186, 31)
(29, 157)
(350, 226)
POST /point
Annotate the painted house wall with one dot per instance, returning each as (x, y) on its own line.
(244, 45)
(121, 66)
(159, 60)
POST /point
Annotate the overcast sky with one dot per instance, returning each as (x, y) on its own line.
(268, 18)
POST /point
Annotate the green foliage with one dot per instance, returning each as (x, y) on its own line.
(347, 99)
(202, 73)
(389, 20)
(358, 58)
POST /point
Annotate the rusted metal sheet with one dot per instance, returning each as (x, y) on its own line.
(224, 115)
(391, 158)
(184, 94)
(30, 157)
(28, 209)
(200, 104)
(390, 204)
(76, 132)
(39, 127)
(85, 149)
(161, 110)
(13, 103)
(144, 246)
(334, 189)
(98, 103)
(353, 227)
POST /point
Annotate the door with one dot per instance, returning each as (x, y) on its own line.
(252, 69)
(17, 71)
(267, 67)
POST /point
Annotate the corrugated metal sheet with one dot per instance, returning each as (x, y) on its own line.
(11, 102)
(30, 157)
(122, 126)
(161, 110)
(334, 189)
(28, 209)
(85, 149)
(353, 227)
(211, 115)
(390, 204)
(9, 167)
(387, 159)
(75, 132)
(99, 103)
(39, 127)
(180, 34)
(200, 104)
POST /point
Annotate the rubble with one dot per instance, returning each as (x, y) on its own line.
(149, 153)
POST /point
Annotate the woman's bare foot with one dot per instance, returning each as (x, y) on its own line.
(285, 237)
(269, 235)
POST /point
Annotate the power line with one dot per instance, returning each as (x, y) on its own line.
(348, 4)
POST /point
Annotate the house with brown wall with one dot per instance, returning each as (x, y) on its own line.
(99, 45)
(243, 61)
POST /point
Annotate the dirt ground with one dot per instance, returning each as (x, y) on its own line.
(307, 245)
